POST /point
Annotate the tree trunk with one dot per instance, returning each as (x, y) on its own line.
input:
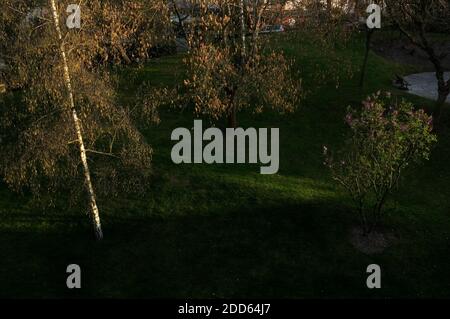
(257, 26)
(243, 33)
(87, 176)
(232, 118)
(366, 56)
(443, 93)
(180, 20)
(124, 54)
(439, 110)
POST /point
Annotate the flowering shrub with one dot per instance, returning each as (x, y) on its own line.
(386, 138)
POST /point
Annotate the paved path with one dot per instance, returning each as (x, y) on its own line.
(425, 85)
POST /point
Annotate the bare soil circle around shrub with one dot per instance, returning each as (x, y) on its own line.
(374, 243)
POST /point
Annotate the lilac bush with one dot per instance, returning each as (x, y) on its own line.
(387, 136)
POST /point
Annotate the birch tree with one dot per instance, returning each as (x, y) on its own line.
(95, 216)
(62, 129)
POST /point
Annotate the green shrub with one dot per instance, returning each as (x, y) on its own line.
(386, 137)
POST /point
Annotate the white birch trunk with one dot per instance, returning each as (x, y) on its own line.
(258, 17)
(87, 175)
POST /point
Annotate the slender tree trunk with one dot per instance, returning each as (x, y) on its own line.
(443, 93)
(87, 176)
(232, 113)
(180, 21)
(366, 56)
(124, 54)
(257, 26)
(243, 33)
(232, 117)
(439, 110)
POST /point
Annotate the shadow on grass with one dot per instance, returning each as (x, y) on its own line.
(279, 251)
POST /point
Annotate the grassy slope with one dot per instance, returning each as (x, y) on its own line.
(226, 231)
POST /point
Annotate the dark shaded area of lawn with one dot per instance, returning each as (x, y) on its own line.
(226, 231)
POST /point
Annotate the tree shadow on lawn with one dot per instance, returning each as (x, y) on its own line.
(281, 251)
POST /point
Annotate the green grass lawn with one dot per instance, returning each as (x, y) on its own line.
(226, 231)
